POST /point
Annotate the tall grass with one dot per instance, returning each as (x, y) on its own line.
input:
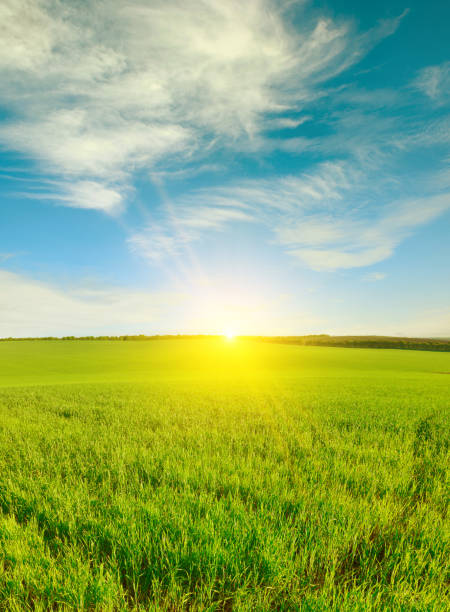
(237, 478)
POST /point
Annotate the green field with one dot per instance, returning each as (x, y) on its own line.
(213, 475)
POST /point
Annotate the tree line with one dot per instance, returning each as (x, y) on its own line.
(393, 342)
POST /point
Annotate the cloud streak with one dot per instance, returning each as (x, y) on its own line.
(328, 219)
(434, 82)
(181, 228)
(359, 239)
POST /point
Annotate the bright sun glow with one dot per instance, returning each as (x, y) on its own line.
(229, 335)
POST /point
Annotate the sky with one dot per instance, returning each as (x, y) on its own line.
(265, 167)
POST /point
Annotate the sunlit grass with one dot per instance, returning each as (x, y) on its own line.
(205, 475)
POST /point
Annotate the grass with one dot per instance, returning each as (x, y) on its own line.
(206, 475)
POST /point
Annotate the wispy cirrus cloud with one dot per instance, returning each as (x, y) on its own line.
(328, 219)
(374, 276)
(358, 238)
(184, 225)
(262, 201)
(99, 90)
(434, 82)
(86, 194)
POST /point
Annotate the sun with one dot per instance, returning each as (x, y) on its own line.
(229, 335)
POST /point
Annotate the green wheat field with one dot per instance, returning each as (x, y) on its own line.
(203, 474)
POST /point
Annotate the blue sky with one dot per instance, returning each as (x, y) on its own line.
(270, 167)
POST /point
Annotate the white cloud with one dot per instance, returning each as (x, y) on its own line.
(28, 34)
(286, 123)
(72, 142)
(182, 226)
(333, 259)
(155, 243)
(258, 201)
(329, 219)
(374, 127)
(82, 194)
(434, 133)
(434, 82)
(358, 238)
(90, 194)
(101, 89)
(374, 276)
(441, 178)
(31, 308)
(327, 184)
